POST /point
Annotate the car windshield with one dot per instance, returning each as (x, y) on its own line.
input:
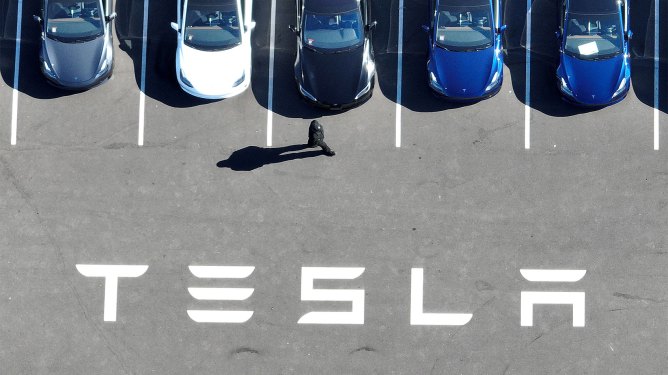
(212, 25)
(593, 36)
(464, 28)
(72, 22)
(333, 31)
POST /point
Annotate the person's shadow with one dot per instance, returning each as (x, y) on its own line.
(253, 157)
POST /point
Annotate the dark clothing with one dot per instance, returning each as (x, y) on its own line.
(328, 151)
(316, 138)
(315, 132)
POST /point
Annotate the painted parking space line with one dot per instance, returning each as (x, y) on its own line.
(400, 48)
(656, 74)
(142, 88)
(270, 90)
(15, 83)
(527, 94)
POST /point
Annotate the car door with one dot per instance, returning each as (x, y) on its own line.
(497, 23)
(433, 5)
(299, 6)
(625, 16)
(41, 18)
(562, 23)
(365, 14)
(298, 26)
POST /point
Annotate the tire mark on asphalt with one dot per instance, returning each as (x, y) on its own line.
(363, 349)
(638, 298)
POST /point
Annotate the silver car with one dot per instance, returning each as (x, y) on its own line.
(77, 49)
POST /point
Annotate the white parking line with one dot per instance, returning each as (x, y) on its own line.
(142, 86)
(656, 75)
(400, 50)
(270, 89)
(527, 93)
(17, 59)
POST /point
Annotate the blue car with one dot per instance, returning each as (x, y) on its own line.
(594, 67)
(465, 49)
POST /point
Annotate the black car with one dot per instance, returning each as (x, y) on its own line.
(77, 50)
(334, 67)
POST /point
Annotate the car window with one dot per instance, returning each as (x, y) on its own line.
(593, 36)
(212, 25)
(333, 31)
(464, 28)
(71, 21)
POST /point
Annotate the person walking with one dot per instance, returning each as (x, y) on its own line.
(316, 138)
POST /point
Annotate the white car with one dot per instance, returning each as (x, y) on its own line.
(213, 53)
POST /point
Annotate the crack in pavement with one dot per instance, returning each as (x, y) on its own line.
(6, 170)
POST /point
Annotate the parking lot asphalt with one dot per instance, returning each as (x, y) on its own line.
(462, 198)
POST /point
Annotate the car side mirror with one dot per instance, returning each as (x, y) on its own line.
(501, 29)
(425, 28)
(250, 26)
(175, 26)
(629, 35)
(293, 28)
(111, 17)
(557, 34)
(371, 25)
(37, 19)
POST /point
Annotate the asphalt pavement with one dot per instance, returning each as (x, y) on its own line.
(460, 196)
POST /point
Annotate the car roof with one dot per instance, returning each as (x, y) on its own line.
(330, 6)
(461, 3)
(592, 6)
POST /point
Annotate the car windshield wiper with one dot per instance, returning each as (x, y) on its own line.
(479, 48)
(85, 38)
(592, 58)
(461, 49)
(310, 47)
(354, 47)
(442, 47)
(607, 55)
(59, 38)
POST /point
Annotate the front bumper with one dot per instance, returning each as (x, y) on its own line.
(78, 86)
(471, 99)
(339, 107)
(228, 93)
(573, 101)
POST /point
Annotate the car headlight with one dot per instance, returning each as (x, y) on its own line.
(48, 69)
(433, 82)
(103, 68)
(370, 67)
(240, 80)
(364, 90)
(564, 87)
(185, 80)
(492, 84)
(307, 94)
(621, 89)
(368, 62)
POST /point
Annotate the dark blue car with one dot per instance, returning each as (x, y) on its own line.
(465, 49)
(594, 67)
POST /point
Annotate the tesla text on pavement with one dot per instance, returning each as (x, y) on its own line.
(418, 317)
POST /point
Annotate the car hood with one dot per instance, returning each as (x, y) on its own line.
(213, 72)
(593, 81)
(463, 74)
(333, 78)
(75, 62)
